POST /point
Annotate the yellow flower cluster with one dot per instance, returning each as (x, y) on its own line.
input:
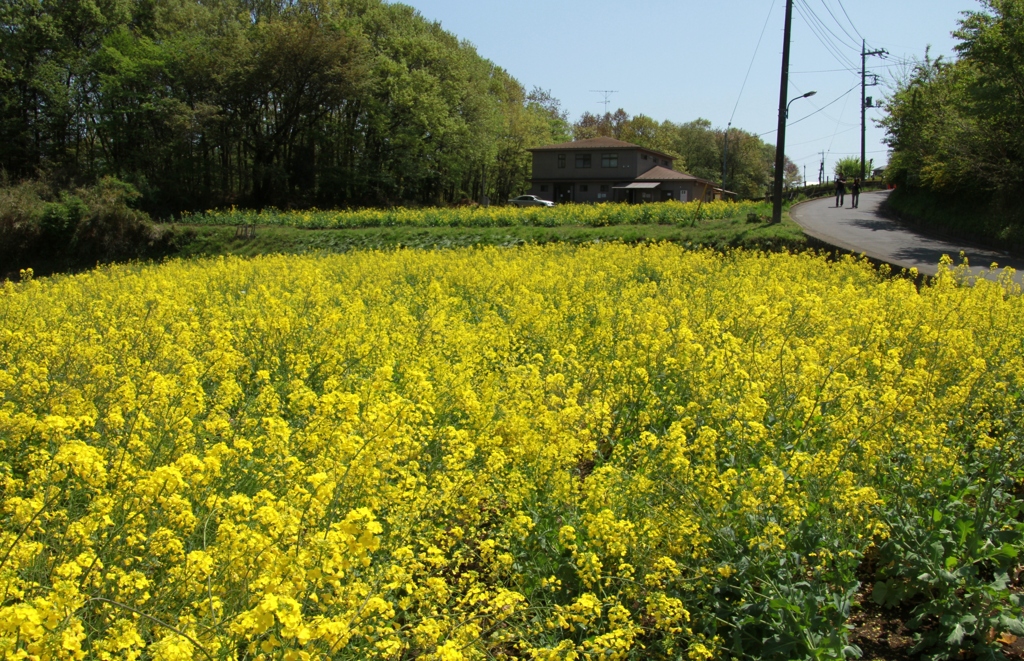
(549, 453)
(595, 215)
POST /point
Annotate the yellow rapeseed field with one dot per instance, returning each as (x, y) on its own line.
(594, 215)
(549, 453)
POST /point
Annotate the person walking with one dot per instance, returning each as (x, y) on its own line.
(855, 192)
(840, 191)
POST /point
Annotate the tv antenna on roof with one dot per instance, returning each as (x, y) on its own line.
(607, 97)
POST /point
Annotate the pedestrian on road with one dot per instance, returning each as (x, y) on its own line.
(855, 192)
(840, 191)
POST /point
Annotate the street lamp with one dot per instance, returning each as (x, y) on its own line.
(811, 93)
(780, 147)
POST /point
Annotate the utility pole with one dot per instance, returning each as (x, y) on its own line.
(780, 146)
(725, 158)
(484, 202)
(864, 102)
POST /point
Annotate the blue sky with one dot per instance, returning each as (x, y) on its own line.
(683, 59)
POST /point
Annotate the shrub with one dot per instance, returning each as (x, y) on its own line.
(48, 230)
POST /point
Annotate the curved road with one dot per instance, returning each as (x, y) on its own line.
(866, 230)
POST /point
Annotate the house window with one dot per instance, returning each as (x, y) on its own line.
(643, 156)
(543, 188)
(561, 160)
(583, 160)
(665, 163)
(609, 160)
(583, 188)
(604, 188)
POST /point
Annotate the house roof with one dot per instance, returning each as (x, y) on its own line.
(640, 184)
(599, 143)
(659, 173)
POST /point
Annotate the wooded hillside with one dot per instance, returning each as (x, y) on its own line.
(291, 103)
(260, 102)
(956, 128)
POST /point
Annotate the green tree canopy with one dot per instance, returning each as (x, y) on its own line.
(696, 146)
(261, 102)
(849, 167)
(958, 127)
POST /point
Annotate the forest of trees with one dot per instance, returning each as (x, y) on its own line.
(697, 147)
(290, 103)
(956, 128)
(260, 102)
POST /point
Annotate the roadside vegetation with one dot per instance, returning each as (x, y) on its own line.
(956, 130)
(53, 231)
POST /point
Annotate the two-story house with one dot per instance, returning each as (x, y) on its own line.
(610, 170)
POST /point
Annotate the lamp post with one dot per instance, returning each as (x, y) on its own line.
(780, 149)
(811, 93)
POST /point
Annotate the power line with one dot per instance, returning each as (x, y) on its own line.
(771, 8)
(841, 113)
(807, 142)
(821, 24)
(725, 140)
(804, 158)
(816, 31)
(882, 66)
(826, 105)
(857, 153)
(829, 10)
(834, 119)
(832, 49)
(837, 99)
(848, 18)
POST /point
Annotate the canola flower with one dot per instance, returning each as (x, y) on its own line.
(595, 215)
(601, 452)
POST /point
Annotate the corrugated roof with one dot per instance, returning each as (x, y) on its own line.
(640, 184)
(599, 143)
(659, 173)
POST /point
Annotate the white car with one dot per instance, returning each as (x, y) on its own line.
(530, 201)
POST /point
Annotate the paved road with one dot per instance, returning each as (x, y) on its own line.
(865, 230)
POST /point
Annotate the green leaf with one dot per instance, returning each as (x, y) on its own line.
(1013, 625)
(956, 636)
(964, 528)
(782, 604)
(951, 562)
(936, 515)
(879, 593)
